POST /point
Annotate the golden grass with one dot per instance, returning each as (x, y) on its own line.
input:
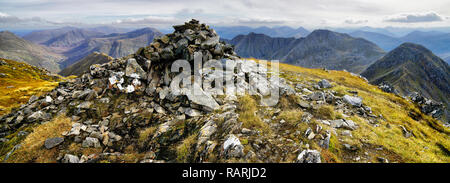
(325, 112)
(247, 114)
(292, 117)
(32, 149)
(185, 148)
(430, 135)
(146, 133)
(26, 81)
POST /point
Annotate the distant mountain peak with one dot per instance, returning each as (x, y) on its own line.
(413, 68)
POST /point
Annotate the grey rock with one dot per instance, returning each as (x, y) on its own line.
(192, 112)
(342, 123)
(232, 147)
(91, 142)
(324, 83)
(33, 99)
(53, 142)
(309, 156)
(199, 97)
(134, 70)
(317, 96)
(38, 116)
(85, 105)
(354, 101)
(68, 158)
(304, 104)
(206, 131)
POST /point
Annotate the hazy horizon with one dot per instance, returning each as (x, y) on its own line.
(311, 14)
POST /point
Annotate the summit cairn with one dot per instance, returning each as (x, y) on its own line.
(180, 83)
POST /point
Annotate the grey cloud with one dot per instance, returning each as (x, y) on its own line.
(415, 17)
(10, 21)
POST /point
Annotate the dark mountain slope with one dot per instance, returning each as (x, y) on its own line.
(16, 48)
(115, 45)
(410, 68)
(332, 50)
(71, 39)
(83, 65)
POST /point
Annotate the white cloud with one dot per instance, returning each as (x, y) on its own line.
(415, 17)
(355, 22)
(3, 15)
(149, 20)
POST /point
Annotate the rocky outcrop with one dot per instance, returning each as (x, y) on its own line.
(413, 68)
(428, 106)
(110, 101)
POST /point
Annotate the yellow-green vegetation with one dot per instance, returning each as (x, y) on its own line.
(247, 114)
(185, 148)
(292, 117)
(146, 133)
(32, 149)
(20, 82)
(325, 112)
(430, 142)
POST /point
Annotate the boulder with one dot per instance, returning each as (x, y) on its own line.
(206, 131)
(68, 158)
(317, 96)
(324, 83)
(354, 101)
(134, 70)
(232, 147)
(91, 142)
(38, 116)
(309, 156)
(199, 97)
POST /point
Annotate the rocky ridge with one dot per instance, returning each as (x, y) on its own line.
(128, 105)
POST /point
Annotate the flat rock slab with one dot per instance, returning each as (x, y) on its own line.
(53, 142)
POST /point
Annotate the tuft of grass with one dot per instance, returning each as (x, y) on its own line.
(292, 117)
(32, 149)
(247, 114)
(146, 133)
(325, 112)
(184, 150)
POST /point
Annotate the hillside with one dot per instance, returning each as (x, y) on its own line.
(83, 65)
(42, 36)
(115, 114)
(71, 38)
(283, 31)
(320, 49)
(412, 67)
(16, 48)
(115, 45)
(261, 46)
(331, 50)
(19, 81)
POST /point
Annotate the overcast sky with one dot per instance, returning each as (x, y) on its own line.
(164, 13)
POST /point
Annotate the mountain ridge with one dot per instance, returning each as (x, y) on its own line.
(410, 68)
(320, 49)
(15, 48)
